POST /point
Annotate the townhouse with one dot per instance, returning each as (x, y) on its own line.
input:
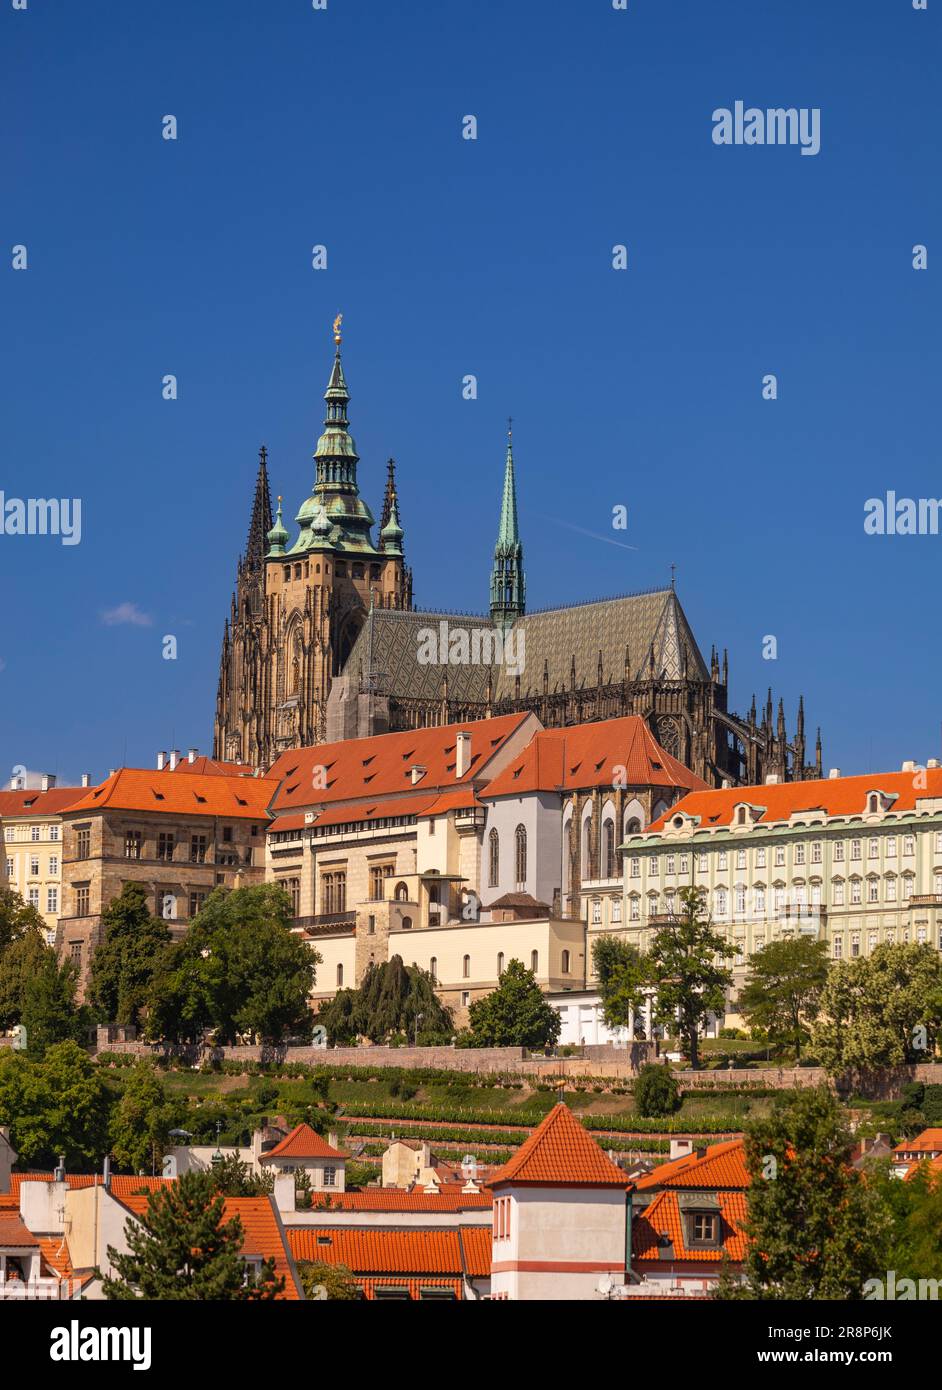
(855, 861)
(179, 836)
(32, 841)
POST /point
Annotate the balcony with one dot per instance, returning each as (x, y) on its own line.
(925, 900)
(325, 922)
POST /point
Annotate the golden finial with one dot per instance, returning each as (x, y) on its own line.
(337, 322)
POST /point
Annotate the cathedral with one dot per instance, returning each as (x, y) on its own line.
(323, 643)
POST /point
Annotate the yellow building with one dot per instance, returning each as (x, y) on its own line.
(32, 841)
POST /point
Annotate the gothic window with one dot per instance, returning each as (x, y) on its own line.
(587, 848)
(339, 976)
(608, 849)
(534, 961)
(466, 968)
(433, 969)
(402, 893)
(500, 964)
(566, 959)
(520, 858)
(493, 867)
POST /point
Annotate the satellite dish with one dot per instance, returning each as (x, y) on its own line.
(605, 1285)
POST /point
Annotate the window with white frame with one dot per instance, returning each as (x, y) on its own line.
(701, 861)
(891, 889)
(34, 864)
(816, 852)
(53, 832)
(740, 899)
(634, 909)
(779, 897)
(52, 900)
(837, 892)
(856, 891)
(721, 859)
(53, 865)
(855, 849)
(838, 851)
(938, 842)
(909, 846)
(937, 882)
(34, 833)
(670, 901)
(872, 941)
(719, 902)
(759, 899)
(907, 886)
(596, 911)
(921, 935)
(838, 948)
(330, 1177)
(670, 864)
(873, 847)
(32, 897)
(855, 944)
(779, 855)
(891, 846)
(873, 890)
(760, 857)
(685, 863)
(815, 895)
(616, 909)
(635, 867)
(799, 854)
(740, 859)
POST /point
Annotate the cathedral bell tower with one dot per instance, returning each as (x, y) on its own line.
(508, 583)
(299, 607)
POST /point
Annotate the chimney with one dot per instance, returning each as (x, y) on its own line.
(908, 766)
(833, 774)
(59, 1174)
(726, 784)
(462, 755)
(48, 781)
(771, 779)
(932, 762)
(174, 758)
(191, 754)
(284, 1192)
(86, 779)
(417, 773)
(161, 761)
(106, 1179)
(333, 1141)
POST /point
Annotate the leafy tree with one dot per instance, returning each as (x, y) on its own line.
(57, 1105)
(17, 917)
(181, 1248)
(124, 964)
(394, 1001)
(914, 1238)
(682, 966)
(239, 970)
(49, 1012)
(324, 1281)
(515, 1014)
(656, 1091)
(881, 1010)
(783, 987)
(20, 962)
(816, 1229)
(234, 1178)
(622, 976)
(141, 1120)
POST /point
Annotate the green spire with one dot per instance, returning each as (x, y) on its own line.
(277, 536)
(508, 584)
(391, 535)
(336, 455)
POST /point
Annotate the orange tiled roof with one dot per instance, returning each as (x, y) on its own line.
(366, 811)
(264, 1234)
(55, 1253)
(13, 1232)
(406, 1250)
(448, 1198)
(661, 1220)
(722, 1166)
(303, 1142)
(463, 800)
(211, 767)
(586, 755)
(560, 1152)
(381, 766)
(189, 794)
(33, 802)
(835, 796)
(415, 1287)
(122, 1185)
(928, 1142)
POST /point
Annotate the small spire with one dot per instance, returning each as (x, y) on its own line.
(278, 535)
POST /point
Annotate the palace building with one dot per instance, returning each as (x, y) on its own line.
(322, 642)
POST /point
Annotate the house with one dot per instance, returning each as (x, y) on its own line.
(403, 1264)
(560, 1219)
(76, 1219)
(925, 1148)
(303, 1150)
(686, 1219)
(32, 840)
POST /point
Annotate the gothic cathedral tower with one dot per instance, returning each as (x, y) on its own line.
(298, 608)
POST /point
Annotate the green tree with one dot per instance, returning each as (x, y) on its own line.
(682, 966)
(914, 1238)
(16, 918)
(57, 1105)
(515, 1014)
(239, 970)
(141, 1120)
(783, 988)
(234, 1178)
(394, 1001)
(815, 1228)
(49, 1013)
(324, 1281)
(19, 963)
(622, 976)
(181, 1248)
(131, 951)
(881, 1010)
(656, 1091)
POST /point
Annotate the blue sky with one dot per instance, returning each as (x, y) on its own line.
(491, 257)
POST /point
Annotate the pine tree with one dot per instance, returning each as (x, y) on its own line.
(181, 1248)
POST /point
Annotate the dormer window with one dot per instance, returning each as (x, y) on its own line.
(705, 1225)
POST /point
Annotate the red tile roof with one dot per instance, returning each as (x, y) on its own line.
(661, 1221)
(33, 802)
(928, 1142)
(136, 789)
(406, 1250)
(560, 1152)
(211, 767)
(55, 1253)
(366, 811)
(835, 796)
(463, 800)
(448, 1198)
(264, 1234)
(122, 1185)
(381, 766)
(722, 1166)
(414, 1287)
(303, 1142)
(13, 1232)
(587, 755)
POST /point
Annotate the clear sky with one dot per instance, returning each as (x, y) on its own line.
(448, 256)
